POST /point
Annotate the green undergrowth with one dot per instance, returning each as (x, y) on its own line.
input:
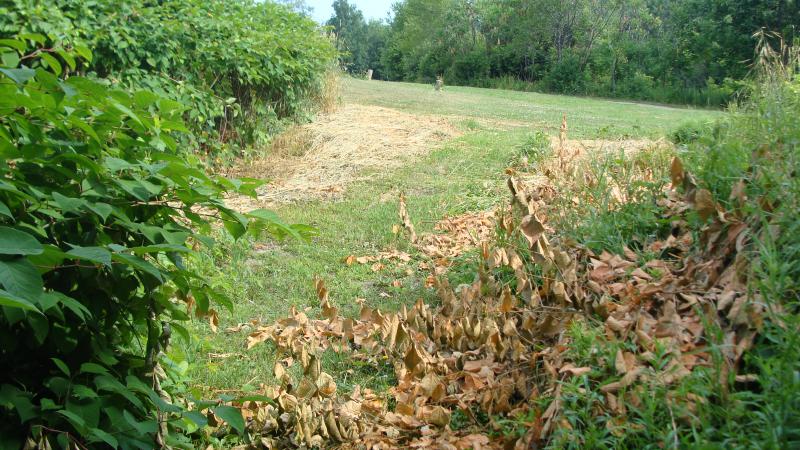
(759, 144)
(619, 195)
(241, 68)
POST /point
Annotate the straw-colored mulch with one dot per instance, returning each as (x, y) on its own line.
(322, 159)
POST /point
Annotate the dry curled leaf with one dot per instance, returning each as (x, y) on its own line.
(704, 203)
(213, 320)
(406, 220)
(676, 172)
(532, 228)
(495, 348)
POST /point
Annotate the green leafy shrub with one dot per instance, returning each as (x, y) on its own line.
(760, 146)
(236, 64)
(470, 66)
(99, 209)
(691, 132)
(536, 147)
(563, 77)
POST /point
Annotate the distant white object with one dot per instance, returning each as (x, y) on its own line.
(439, 83)
(369, 74)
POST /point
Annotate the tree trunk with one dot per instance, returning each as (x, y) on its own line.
(614, 75)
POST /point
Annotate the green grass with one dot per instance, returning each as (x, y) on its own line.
(466, 174)
(587, 117)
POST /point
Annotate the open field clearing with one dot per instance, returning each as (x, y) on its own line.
(495, 108)
(440, 179)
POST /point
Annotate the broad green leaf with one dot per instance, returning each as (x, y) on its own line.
(125, 110)
(76, 420)
(160, 248)
(100, 435)
(5, 211)
(232, 416)
(81, 391)
(12, 397)
(47, 404)
(274, 224)
(35, 37)
(144, 99)
(60, 364)
(174, 125)
(182, 332)
(14, 242)
(101, 209)
(67, 58)
(117, 164)
(221, 299)
(94, 254)
(49, 260)
(143, 428)
(52, 63)
(19, 76)
(40, 325)
(83, 126)
(138, 264)
(70, 303)
(111, 384)
(234, 227)
(197, 417)
(68, 204)
(12, 301)
(21, 278)
(83, 52)
(13, 43)
(141, 189)
(93, 368)
(265, 214)
(9, 59)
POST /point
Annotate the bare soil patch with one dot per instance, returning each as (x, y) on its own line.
(320, 160)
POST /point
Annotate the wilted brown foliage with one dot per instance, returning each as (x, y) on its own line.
(497, 346)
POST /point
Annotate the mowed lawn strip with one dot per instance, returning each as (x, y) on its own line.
(588, 118)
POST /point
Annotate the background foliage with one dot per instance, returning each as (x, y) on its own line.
(103, 202)
(694, 51)
(237, 65)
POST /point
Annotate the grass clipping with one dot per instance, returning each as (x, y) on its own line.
(321, 159)
(498, 350)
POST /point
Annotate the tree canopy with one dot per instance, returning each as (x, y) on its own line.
(693, 51)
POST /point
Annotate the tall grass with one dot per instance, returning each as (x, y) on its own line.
(762, 145)
(759, 144)
(328, 94)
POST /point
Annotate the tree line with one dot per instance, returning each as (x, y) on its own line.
(687, 51)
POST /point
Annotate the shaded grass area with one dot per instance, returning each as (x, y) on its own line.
(265, 278)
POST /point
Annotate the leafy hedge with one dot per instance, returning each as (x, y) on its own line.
(99, 208)
(237, 64)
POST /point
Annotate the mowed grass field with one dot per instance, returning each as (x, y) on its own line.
(265, 278)
(588, 118)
